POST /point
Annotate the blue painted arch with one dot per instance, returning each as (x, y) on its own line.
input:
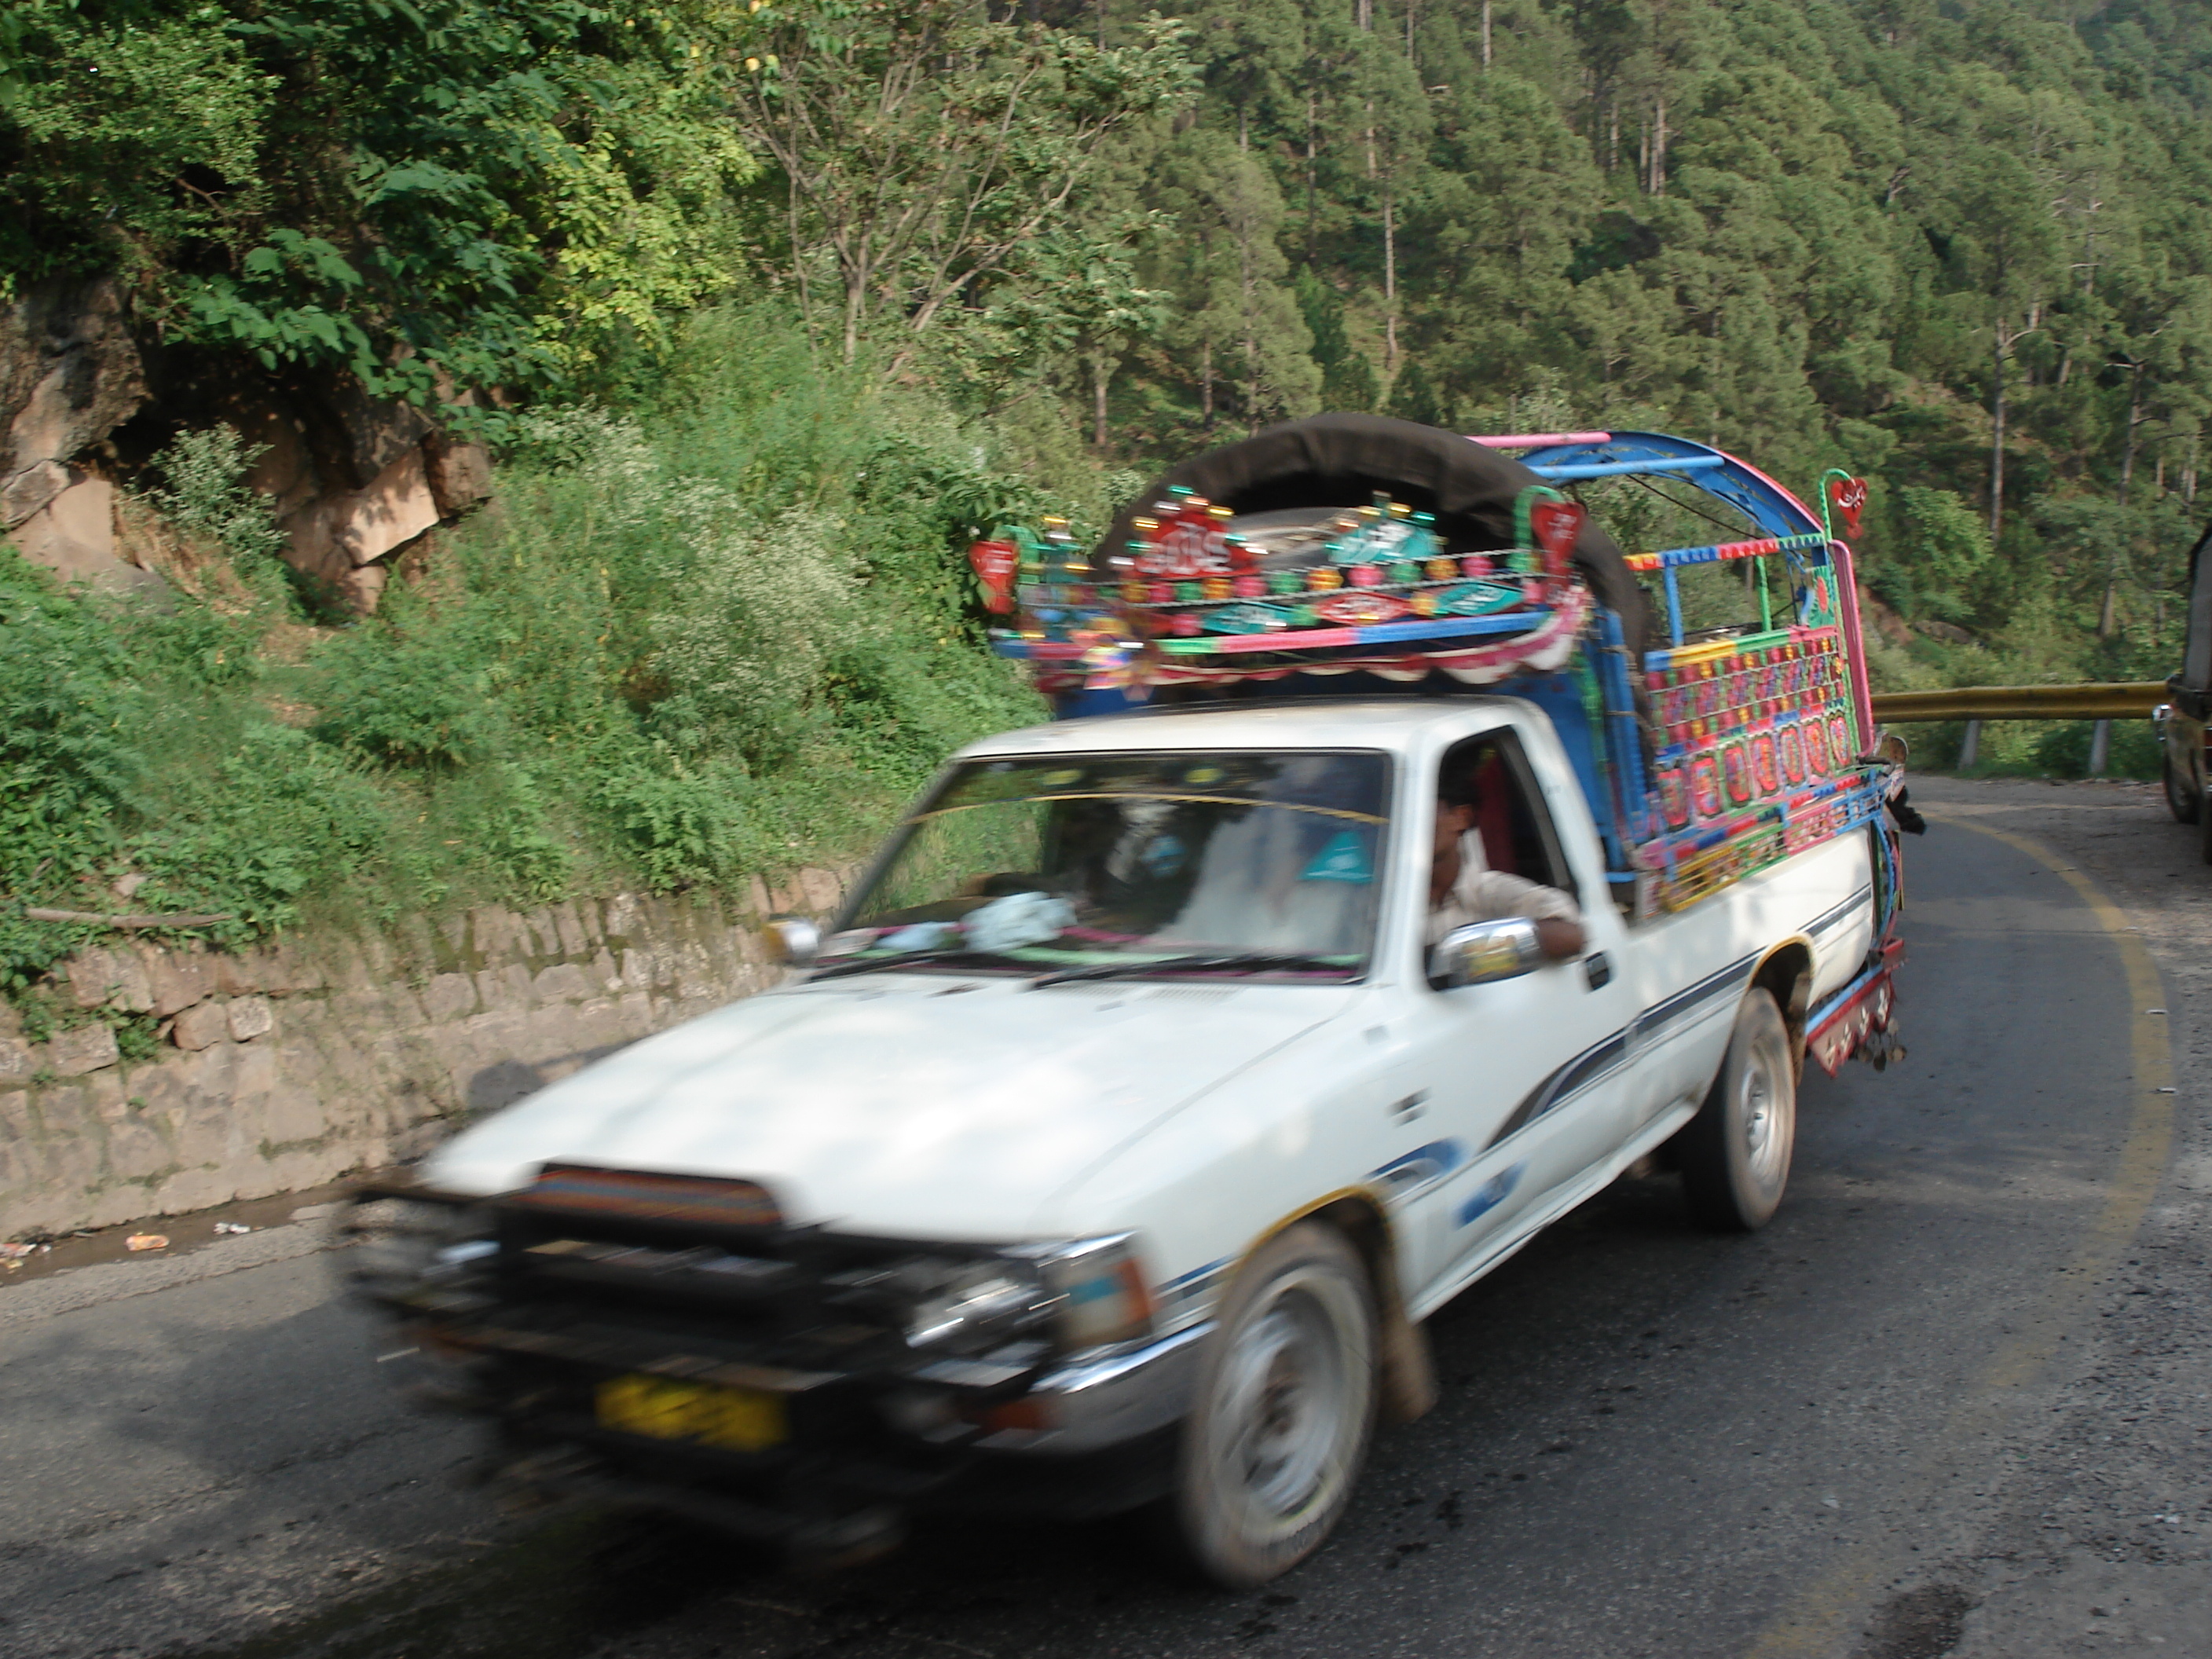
(1737, 484)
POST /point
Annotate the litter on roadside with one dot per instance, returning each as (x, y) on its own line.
(16, 1252)
(231, 1227)
(147, 1242)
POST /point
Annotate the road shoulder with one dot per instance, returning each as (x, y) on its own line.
(2105, 1541)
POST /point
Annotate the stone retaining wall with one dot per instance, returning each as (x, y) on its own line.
(289, 1067)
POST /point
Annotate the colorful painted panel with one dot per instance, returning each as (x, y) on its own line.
(1759, 725)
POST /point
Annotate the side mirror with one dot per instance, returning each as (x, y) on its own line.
(1485, 951)
(792, 940)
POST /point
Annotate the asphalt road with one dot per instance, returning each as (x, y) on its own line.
(1954, 1399)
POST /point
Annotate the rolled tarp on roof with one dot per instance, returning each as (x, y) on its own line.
(1342, 460)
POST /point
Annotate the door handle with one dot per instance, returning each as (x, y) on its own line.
(1597, 970)
(1406, 1111)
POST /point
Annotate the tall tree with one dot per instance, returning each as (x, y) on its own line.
(2008, 252)
(924, 148)
(1396, 114)
(1242, 331)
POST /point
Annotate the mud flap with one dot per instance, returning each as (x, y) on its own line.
(1861, 1020)
(1409, 1371)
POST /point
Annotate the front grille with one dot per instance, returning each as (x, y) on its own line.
(562, 1298)
(683, 1294)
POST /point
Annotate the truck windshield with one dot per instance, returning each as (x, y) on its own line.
(1193, 860)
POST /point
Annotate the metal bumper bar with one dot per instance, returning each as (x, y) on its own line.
(1089, 1405)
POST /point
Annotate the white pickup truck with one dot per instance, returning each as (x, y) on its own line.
(1155, 1083)
(1139, 1183)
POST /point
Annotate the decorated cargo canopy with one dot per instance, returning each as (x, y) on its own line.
(1345, 543)
(1349, 549)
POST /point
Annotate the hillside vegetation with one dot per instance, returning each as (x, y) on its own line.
(781, 301)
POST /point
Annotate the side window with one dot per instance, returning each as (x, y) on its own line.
(1486, 784)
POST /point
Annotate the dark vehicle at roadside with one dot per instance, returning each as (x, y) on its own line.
(2181, 720)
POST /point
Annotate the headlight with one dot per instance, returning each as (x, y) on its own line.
(1099, 1291)
(401, 1245)
(1090, 1293)
(982, 1299)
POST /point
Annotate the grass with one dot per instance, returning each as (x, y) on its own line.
(723, 631)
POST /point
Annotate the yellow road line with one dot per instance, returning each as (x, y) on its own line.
(1815, 1626)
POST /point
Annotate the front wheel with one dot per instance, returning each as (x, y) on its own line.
(1735, 1152)
(1283, 1411)
(2181, 799)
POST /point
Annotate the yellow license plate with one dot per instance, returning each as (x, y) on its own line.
(737, 1419)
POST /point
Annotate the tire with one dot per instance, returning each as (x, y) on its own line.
(1283, 1411)
(2204, 835)
(1735, 1152)
(2180, 799)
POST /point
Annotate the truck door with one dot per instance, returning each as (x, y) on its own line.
(1524, 1078)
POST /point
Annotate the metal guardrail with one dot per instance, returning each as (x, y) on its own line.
(2128, 700)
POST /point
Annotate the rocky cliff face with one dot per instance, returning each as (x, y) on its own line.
(69, 374)
(84, 396)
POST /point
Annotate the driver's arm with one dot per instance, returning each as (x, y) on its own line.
(1559, 920)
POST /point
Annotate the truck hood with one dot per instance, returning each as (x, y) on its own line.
(907, 1106)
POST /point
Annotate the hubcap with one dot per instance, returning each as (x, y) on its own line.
(1761, 1115)
(1285, 1409)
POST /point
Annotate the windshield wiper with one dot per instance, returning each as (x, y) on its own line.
(1237, 962)
(871, 964)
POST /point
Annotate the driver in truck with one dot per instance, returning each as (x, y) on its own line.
(1463, 888)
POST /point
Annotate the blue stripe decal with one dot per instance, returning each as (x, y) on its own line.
(1828, 919)
(1598, 1060)
(1210, 1268)
(1682, 1003)
(1592, 1064)
(1605, 1056)
(1489, 1195)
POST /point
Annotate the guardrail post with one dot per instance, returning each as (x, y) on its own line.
(1970, 749)
(2100, 748)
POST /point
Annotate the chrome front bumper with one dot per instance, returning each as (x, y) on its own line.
(1092, 1404)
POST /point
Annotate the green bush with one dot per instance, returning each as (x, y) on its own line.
(726, 631)
(681, 826)
(67, 767)
(392, 696)
(279, 816)
(205, 495)
(2042, 748)
(2063, 750)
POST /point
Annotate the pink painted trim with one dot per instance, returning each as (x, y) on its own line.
(1847, 606)
(1308, 640)
(1540, 439)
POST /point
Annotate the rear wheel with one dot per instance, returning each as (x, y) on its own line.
(1284, 1408)
(1735, 1152)
(2181, 797)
